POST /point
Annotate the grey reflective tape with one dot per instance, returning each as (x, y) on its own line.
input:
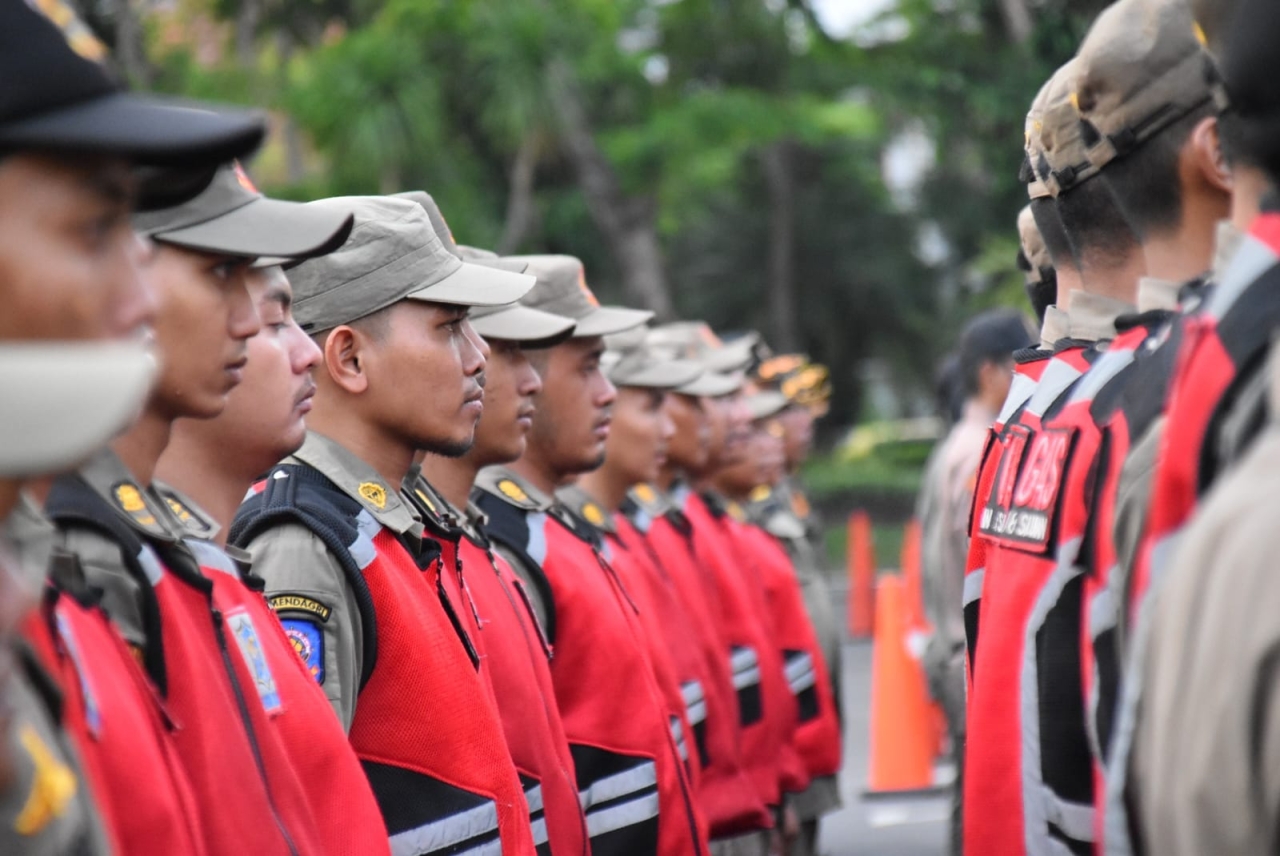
(692, 692)
(539, 830)
(798, 665)
(486, 848)
(743, 658)
(1251, 260)
(1102, 613)
(211, 556)
(1058, 375)
(973, 585)
(363, 550)
(677, 729)
(1019, 391)
(747, 678)
(1161, 557)
(533, 797)
(642, 521)
(1103, 369)
(1037, 809)
(151, 565)
(1075, 819)
(619, 785)
(803, 682)
(682, 749)
(622, 815)
(447, 832)
(537, 548)
(696, 712)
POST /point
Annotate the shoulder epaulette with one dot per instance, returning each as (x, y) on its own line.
(650, 500)
(512, 489)
(586, 509)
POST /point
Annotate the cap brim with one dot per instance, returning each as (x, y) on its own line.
(733, 357)
(664, 374)
(713, 385)
(500, 263)
(607, 320)
(145, 129)
(530, 327)
(477, 285)
(65, 400)
(267, 227)
(766, 404)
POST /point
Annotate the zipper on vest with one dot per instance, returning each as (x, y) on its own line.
(248, 726)
(608, 569)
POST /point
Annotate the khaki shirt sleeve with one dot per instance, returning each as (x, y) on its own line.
(1133, 502)
(1206, 765)
(103, 566)
(293, 561)
(47, 810)
(521, 567)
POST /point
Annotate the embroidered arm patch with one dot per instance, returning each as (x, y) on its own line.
(308, 641)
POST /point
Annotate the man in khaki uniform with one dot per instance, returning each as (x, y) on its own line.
(72, 370)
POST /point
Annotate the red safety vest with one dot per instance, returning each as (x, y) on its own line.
(817, 736)
(631, 780)
(755, 657)
(119, 727)
(425, 728)
(729, 798)
(1028, 774)
(515, 664)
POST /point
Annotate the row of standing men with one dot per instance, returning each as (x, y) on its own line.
(1109, 559)
(325, 534)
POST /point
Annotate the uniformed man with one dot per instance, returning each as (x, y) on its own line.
(634, 454)
(342, 555)
(633, 784)
(1205, 624)
(1039, 277)
(74, 374)
(987, 345)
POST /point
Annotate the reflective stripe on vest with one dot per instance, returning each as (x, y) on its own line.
(476, 828)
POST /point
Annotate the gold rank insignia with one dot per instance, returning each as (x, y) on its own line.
(512, 491)
(761, 493)
(593, 514)
(644, 492)
(374, 493)
(426, 500)
(131, 502)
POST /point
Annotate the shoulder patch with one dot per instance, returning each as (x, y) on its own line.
(52, 785)
(512, 491)
(289, 602)
(593, 514)
(374, 493)
(761, 493)
(307, 640)
(645, 492)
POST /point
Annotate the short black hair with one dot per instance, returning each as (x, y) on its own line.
(992, 336)
(1145, 182)
(1099, 233)
(948, 388)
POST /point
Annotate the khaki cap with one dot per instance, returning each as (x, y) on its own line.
(393, 254)
(697, 341)
(766, 403)
(475, 255)
(630, 361)
(64, 400)
(1031, 143)
(1033, 245)
(712, 384)
(562, 290)
(230, 216)
(1140, 69)
(1059, 151)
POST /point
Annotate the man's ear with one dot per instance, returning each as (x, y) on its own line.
(1203, 155)
(346, 352)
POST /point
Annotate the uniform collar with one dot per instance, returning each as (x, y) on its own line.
(195, 521)
(1093, 316)
(1056, 325)
(108, 476)
(359, 481)
(513, 489)
(1157, 294)
(1226, 244)
(585, 506)
(429, 504)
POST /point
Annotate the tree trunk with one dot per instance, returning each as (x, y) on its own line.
(520, 209)
(247, 19)
(1017, 20)
(780, 179)
(629, 224)
(129, 50)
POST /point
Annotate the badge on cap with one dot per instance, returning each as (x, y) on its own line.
(255, 658)
(243, 178)
(308, 643)
(374, 493)
(586, 289)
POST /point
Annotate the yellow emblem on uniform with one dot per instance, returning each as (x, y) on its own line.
(736, 512)
(593, 514)
(512, 491)
(645, 493)
(761, 493)
(179, 509)
(131, 502)
(374, 493)
(52, 786)
(426, 500)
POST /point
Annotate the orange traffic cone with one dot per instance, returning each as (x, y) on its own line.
(862, 572)
(902, 749)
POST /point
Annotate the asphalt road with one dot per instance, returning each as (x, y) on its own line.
(880, 827)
